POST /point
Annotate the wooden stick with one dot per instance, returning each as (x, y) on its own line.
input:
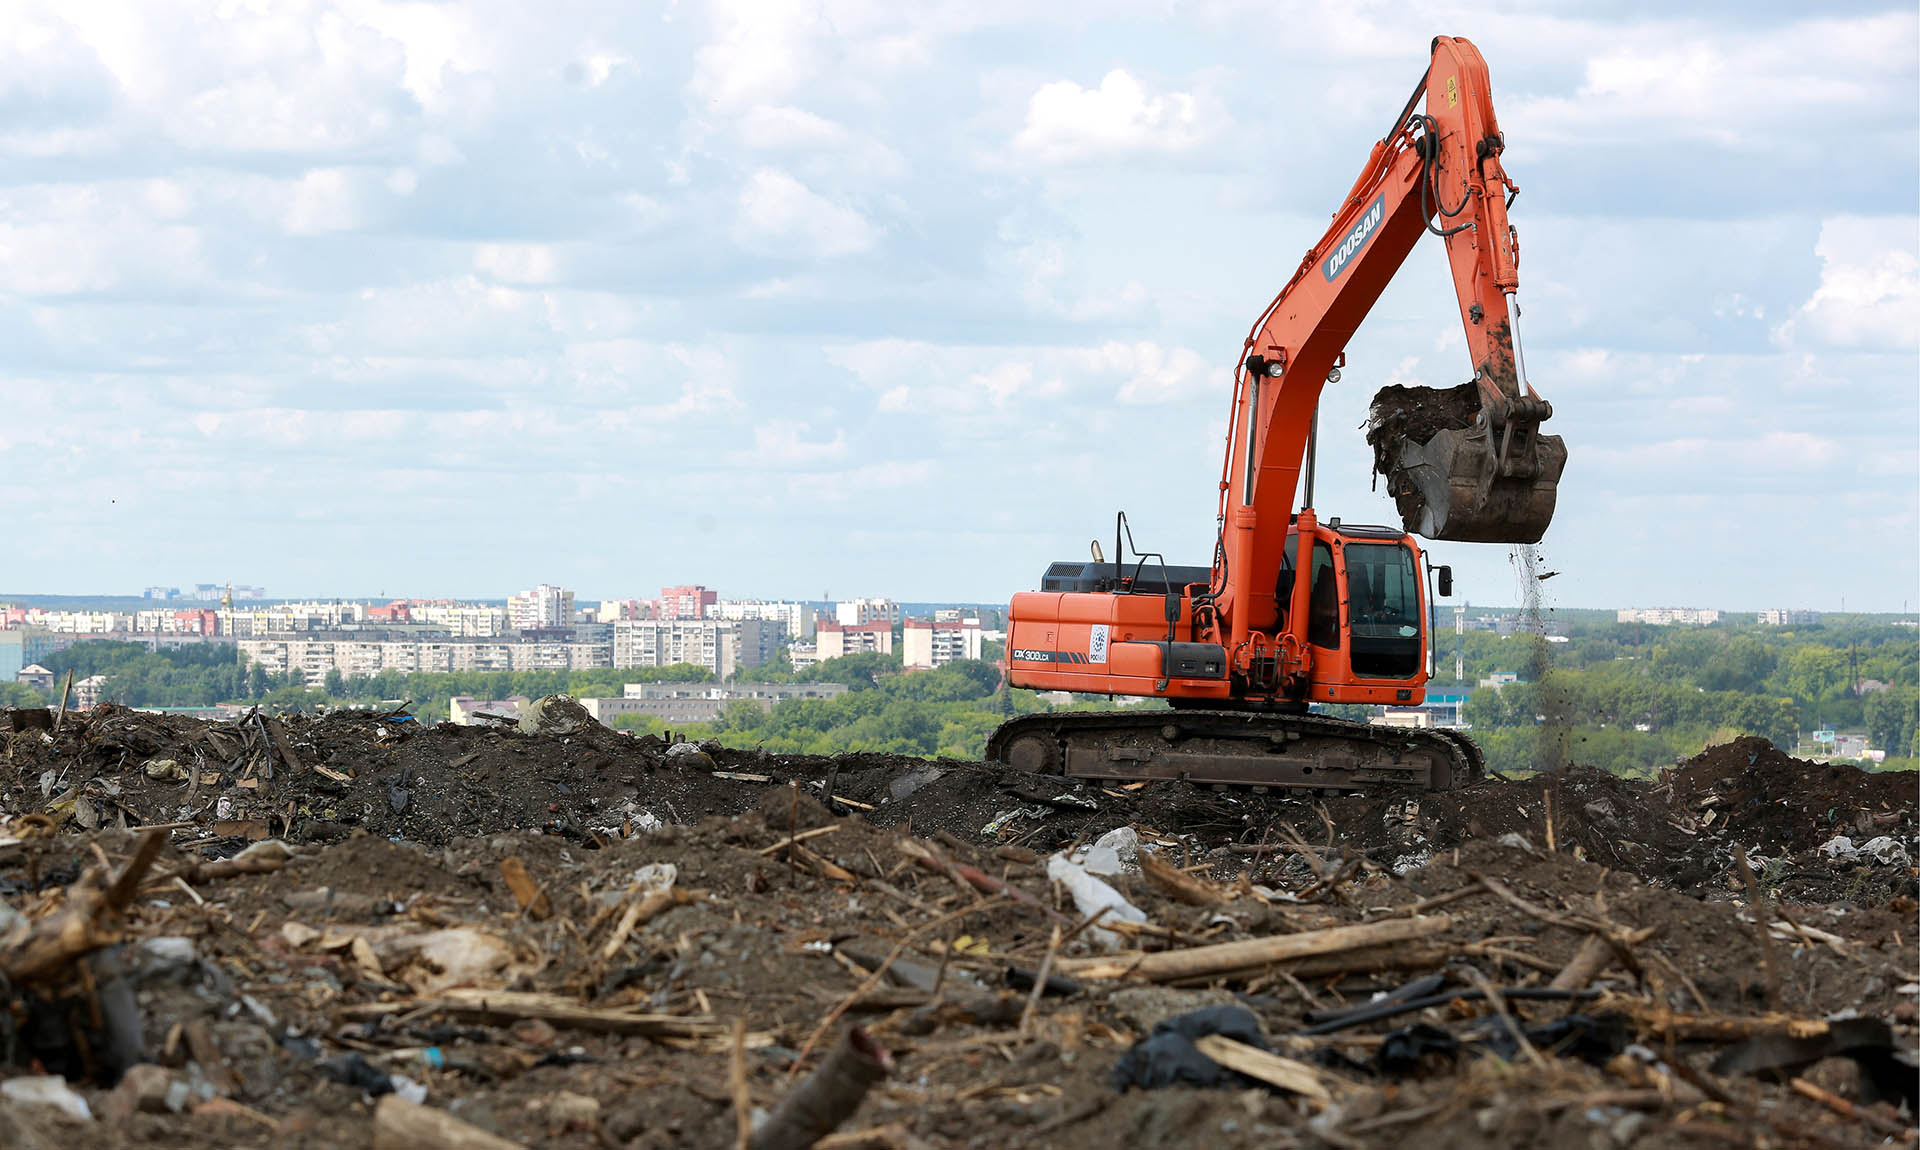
(65, 690)
(505, 1007)
(1040, 981)
(1179, 884)
(123, 888)
(803, 836)
(533, 901)
(1285, 1073)
(402, 1125)
(1594, 956)
(1847, 1109)
(1759, 923)
(1164, 966)
(737, 1080)
(1514, 1025)
(643, 910)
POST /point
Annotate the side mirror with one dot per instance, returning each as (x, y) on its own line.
(1445, 575)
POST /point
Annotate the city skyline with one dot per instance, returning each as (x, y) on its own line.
(367, 297)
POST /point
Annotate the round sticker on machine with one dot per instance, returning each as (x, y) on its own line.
(1407, 632)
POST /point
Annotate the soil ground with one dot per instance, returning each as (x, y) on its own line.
(397, 888)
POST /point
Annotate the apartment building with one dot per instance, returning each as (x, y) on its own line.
(719, 645)
(543, 607)
(803, 655)
(701, 702)
(686, 602)
(835, 639)
(461, 620)
(927, 643)
(1668, 616)
(859, 612)
(1781, 618)
(314, 657)
(797, 618)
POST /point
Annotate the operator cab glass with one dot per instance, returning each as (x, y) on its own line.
(1383, 611)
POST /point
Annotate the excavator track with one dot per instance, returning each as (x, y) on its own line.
(1257, 749)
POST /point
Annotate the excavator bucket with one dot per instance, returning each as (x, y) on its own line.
(1462, 485)
(1453, 476)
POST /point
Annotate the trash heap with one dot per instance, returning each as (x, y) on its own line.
(566, 936)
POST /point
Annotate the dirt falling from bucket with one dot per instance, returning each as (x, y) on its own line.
(1554, 732)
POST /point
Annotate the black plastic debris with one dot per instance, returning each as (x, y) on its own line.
(1416, 1049)
(1591, 1038)
(1167, 1057)
(353, 1070)
(1884, 1076)
(1419, 988)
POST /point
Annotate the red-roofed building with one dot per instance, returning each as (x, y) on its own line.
(687, 602)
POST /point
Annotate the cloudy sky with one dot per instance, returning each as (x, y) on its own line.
(794, 298)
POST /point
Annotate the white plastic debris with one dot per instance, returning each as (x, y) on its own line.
(1124, 842)
(267, 849)
(48, 1090)
(1090, 895)
(408, 1089)
(690, 756)
(1005, 818)
(1884, 850)
(554, 715)
(656, 876)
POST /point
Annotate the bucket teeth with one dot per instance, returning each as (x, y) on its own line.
(1458, 486)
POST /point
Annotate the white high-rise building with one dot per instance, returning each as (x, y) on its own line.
(858, 612)
(797, 617)
(544, 606)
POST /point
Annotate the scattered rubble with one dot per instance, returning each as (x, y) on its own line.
(409, 936)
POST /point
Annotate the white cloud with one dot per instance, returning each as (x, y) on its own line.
(919, 377)
(768, 127)
(1155, 374)
(1067, 123)
(1682, 80)
(66, 239)
(780, 216)
(516, 263)
(784, 444)
(1869, 293)
(325, 200)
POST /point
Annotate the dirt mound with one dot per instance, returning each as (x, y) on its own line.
(317, 780)
(1771, 801)
(1414, 414)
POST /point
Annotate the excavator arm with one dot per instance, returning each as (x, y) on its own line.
(1437, 171)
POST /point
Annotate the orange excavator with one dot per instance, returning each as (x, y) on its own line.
(1295, 610)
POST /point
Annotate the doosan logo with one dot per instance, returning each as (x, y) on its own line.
(1356, 239)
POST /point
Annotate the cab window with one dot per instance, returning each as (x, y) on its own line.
(1383, 609)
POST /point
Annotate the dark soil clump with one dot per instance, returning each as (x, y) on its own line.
(1416, 413)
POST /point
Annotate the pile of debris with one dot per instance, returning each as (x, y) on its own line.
(685, 947)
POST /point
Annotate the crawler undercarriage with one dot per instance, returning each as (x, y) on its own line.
(1258, 749)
